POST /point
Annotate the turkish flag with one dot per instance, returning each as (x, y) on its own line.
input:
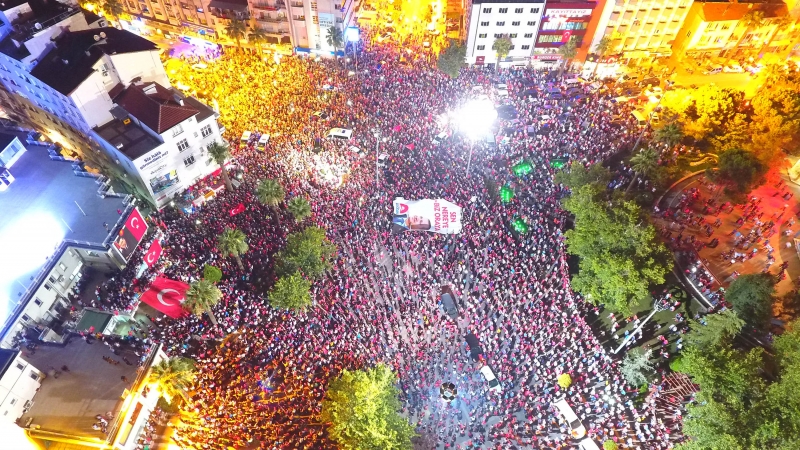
(136, 225)
(152, 255)
(239, 209)
(565, 36)
(166, 296)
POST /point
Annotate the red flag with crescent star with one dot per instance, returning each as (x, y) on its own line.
(167, 296)
(136, 224)
(152, 255)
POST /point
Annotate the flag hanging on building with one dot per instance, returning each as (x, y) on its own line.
(167, 296)
(152, 255)
(436, 215)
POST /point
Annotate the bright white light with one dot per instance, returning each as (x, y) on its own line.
(476, 118)
(352, 34)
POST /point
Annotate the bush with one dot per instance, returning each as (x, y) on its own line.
(610, 445)
(212, 273)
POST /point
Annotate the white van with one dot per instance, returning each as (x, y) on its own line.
(491, 380)
(577, 430)
(441, 137)
(356, 151)
(262, 142)
(502, 90)
(571, 83)
(641, 119)
(588, 444)
(246, 136)
(383, 161)
(340, 133)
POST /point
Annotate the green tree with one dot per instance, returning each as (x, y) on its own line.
(709, 113)
(620, 254)
(258, 38)
(451, 59)
(269, 192)
(233, 242)
(299, 208)
(236, 30)
(291, 292)
(775, 122)
(751, 297)
(502, 46)
(201, 298)
(718, 328)
(568, 51)
(308, 251)
(335, 38)
(212, 273)
(600, 50)
(113, 8)
(362, 410)
(636, 366)
(174, 378)
(578, 175)
(643, 164)
(739, 169)
(609, 445)
(751, 19)
(669, 135)
(220, 153)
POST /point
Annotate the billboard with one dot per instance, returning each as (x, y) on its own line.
(435, 215)
(130, 234)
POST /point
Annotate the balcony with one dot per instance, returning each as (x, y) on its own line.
(299, 18)
(297, 4)
(269, 6)
(269, 19)
(229, 15)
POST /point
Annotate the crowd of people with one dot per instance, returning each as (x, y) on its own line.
(262, 372)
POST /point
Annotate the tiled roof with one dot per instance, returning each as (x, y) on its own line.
(154, 105)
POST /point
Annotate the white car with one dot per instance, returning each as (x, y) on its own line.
(733, 68)
(491, 380)
(577, 430)
(502, 90)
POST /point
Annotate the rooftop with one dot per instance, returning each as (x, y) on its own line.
(158, 107)
(68, 404)
(130, 139)
(6, 139)
(204, 111)
(72, 61)
(45, 205)
(5, 5)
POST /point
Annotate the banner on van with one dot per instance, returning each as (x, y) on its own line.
(435, 215)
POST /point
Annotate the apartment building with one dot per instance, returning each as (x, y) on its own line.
(563, 22)
(491, 19)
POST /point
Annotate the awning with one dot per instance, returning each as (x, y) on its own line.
(232, 5)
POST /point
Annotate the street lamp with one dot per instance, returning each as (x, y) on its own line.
(475, 120)
(377, 135)
(661, 304)
(352, 35)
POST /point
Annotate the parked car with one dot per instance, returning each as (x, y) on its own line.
(577, 430)
(713, 69)
(733, 68)
(448, 302)
(491, 380)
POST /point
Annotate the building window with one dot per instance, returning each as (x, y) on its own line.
(47, 286)
(178, 129)
(526, 47)
(512, 47)
(532, 23)
(688, 33)
(529, 35)
(26, 318)
(500, 24)
(518, 10)
(188, 161)
(484, 24)
(534, 10)
(37, 302)
(52, 279)
(487, 10)
(62, 266)
(183, 145)
(20, 366)
(512, 35)
(206, 131)
(14, 401)
(482, 36)
(34, 376)
(481, 47)
(514, 24)
(503, 10)
(498, 35)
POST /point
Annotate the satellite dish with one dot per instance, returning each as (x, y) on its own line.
(96, 38)
(103, 34)
(37, 25)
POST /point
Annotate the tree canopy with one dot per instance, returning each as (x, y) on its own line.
(636, 366)
(308, 251)
(577, 175)
(739, 169)
(751, 297)
(620, 255)
(174, 377)
(451, 60)
(502, 46)
(212, 273)
(362, 411)
(233, 242)
(291, 292)
(201, 296)
(299, 208)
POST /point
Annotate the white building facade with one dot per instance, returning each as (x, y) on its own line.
(490, 19)
(19, 382)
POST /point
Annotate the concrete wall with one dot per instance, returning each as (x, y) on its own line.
(91, 97)
(146, 65)
(17, 387)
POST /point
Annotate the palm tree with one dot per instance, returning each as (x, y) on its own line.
(643, 164)
(232, 242)
(258, 38)
(220, 153)
(269, 192)
(113, 8)
(670, 134)
(299, 208)
(502, 46)
(201, 297)
(568, 51)
(751, 19)
(174, 377)
(335, 38)
(600, 51)
(236, 30)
